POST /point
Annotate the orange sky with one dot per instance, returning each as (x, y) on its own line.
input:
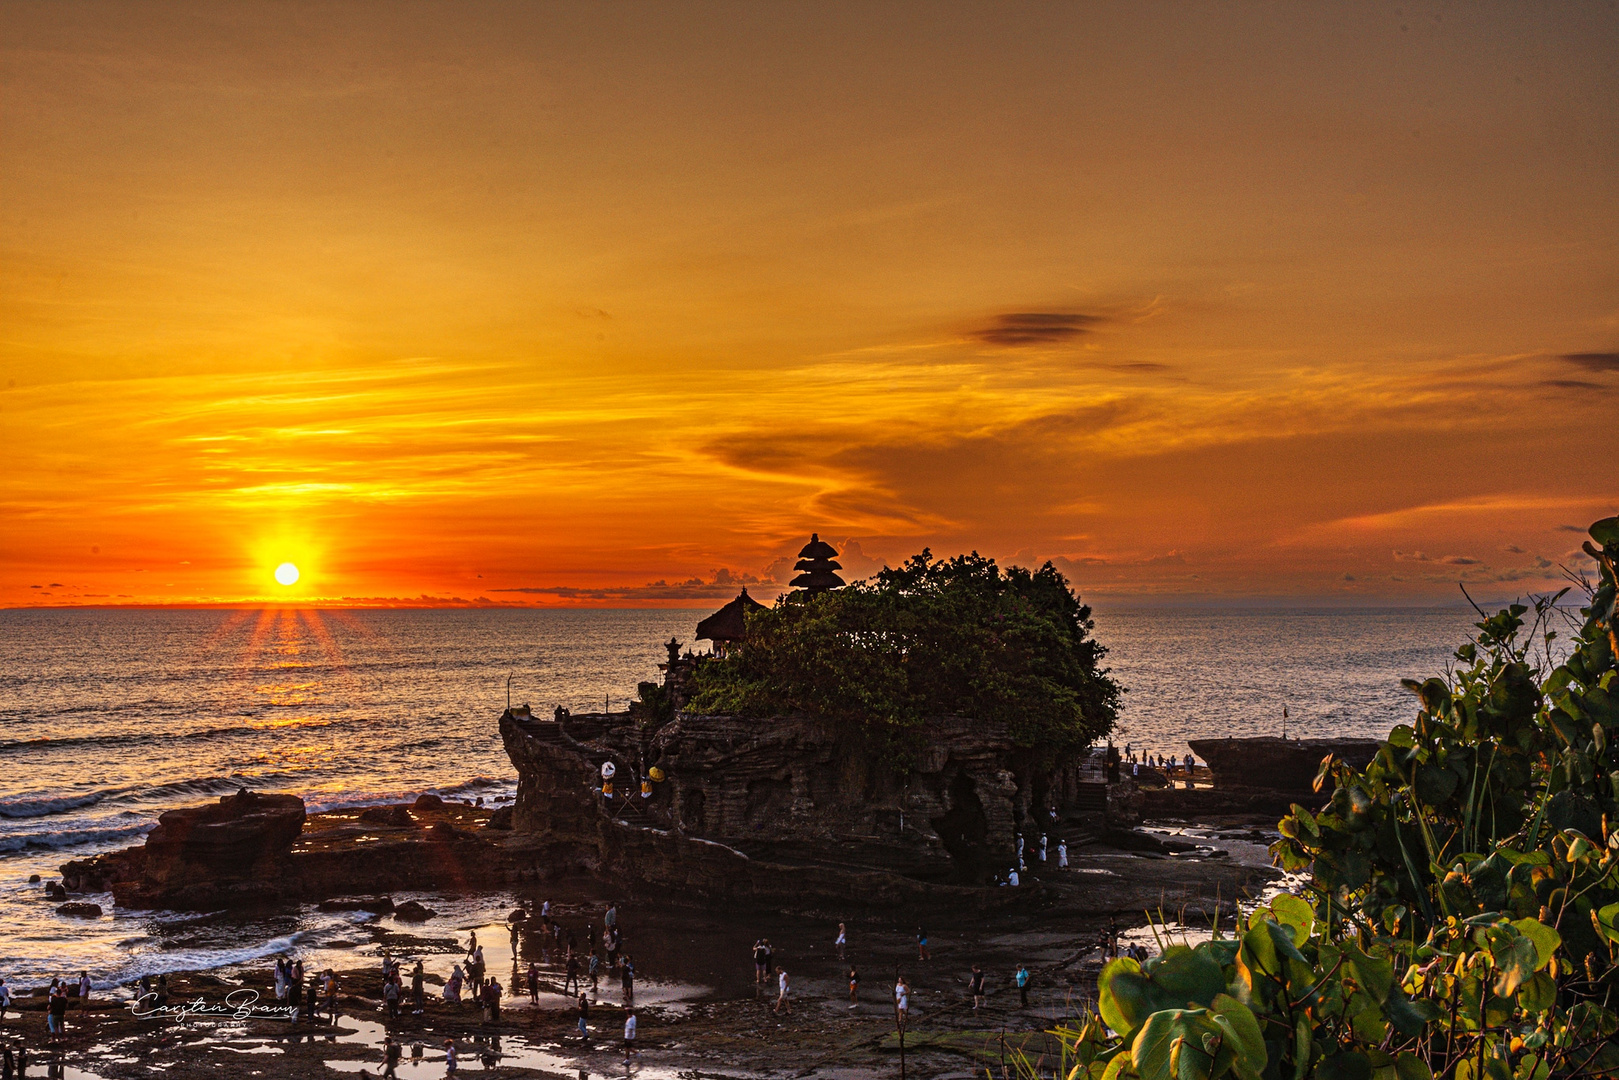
(615, 304)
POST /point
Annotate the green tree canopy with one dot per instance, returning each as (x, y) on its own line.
(933, 637)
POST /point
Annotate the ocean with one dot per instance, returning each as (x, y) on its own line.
(110, 717)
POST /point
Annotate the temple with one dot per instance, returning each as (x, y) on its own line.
(730, 623)
(818, 561)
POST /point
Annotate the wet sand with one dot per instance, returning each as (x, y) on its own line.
(699, 1011)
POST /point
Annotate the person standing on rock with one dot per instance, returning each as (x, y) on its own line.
(571, 975)
(1043, 839)
(627, 981)
(390, 1058)
(854, 987)
(629, 1036)
(584, 1017)
(758, 961)
(842, 941)
(390, 998)
(975, 986)
(331, 994)
(84, 989)
(1062, 854)
(418, 991)
(452, 986)
(1022, 980)
(476, 970)
(922, 944)
(5, 998)
(472, 944)
(312, 1002)
(449, 1057)
(902, 1002)
(595, 972)
(534, 983)
(494, 993)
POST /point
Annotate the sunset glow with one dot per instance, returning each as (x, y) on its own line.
(615, 305)
(286, 574)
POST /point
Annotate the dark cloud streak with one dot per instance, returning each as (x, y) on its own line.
(1031, 328)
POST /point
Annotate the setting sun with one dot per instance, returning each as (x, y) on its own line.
(286, 574)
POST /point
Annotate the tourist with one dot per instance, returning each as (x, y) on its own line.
(629, 1036)
(312, 1000)
(53, 1019)
(295, 991)
(282, 978)
(390, 998)
(595, 972)
(781, 996)
(452, 986)
(770, 960)
(613, 942)
(84, 989)
(545, 911)
(534, 983)
(5, 997)
(477, 969)
(331, 994)
(492, 994)
(758, 960)
(1062, 854)
(584, 1015)
(902, 1002)
(842, 940)
(627, 981)
(1022, 980)
(1011, 877)
(1042, 847)
(610, 920)
(1019, 846)
(418, 991)
(390, 1057)
(854, 987)
(975, 986)
(449, 1057)
(921, 944)
(472, 944)
(571, 974)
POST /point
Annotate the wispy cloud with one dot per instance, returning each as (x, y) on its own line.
(1032, 328)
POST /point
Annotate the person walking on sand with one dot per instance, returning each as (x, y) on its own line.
(843, 940)
(975, 986)
(584, 1017)
(629, 1036)
(781, 995)
(922, 944)
(854, 987)
(390, 1058)
(902, 1002)
(1022, 980)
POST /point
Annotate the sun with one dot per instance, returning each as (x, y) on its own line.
(286, 574)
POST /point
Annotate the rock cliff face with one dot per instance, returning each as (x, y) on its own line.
(782, 806)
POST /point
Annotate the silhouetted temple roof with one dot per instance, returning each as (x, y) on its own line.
(817, 549)
(729, 623)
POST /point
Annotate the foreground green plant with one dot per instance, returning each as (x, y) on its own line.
(1461, 911)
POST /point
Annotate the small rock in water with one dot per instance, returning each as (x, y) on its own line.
(81, 909)
(413, 911)
(429, 801)
(387, 815)
(33, 879)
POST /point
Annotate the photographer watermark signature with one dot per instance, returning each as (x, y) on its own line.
(238, 1005)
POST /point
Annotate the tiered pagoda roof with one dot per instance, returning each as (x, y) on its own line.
(819, 565)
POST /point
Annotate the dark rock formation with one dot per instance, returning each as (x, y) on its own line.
(397, 814)
(252, 849)
(380, 905)
(429, 801)
(788, 807)
(80, 909)
(1273, 764)
(413, 911)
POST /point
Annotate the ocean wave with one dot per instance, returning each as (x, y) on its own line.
(68, 838)
(44, 805)
(162, 738)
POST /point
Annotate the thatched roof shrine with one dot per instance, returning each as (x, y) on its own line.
(729, 623)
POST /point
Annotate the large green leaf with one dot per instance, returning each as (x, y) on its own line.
(1242, 1034)
(1171, 1045)
(1545, 938)
(1514, 957)
(1187, 976)
(1127, 997)
(1296, 914)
